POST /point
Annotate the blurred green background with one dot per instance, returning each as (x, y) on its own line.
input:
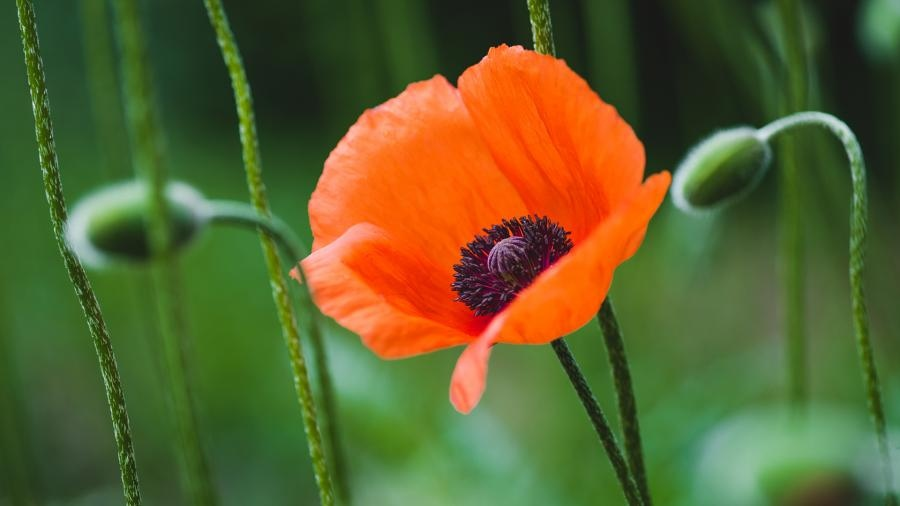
(700, 303)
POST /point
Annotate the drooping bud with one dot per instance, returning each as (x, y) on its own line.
(720, 169)
(110, 225)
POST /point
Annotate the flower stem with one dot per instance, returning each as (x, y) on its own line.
(631, 430)
(542, 33)
(598, 420)
(541, 26)
(858, 227)
(103, 88)
(144, 130)
(253, 167)
(238, 213)
(241, 214)
(791, 217)
(56, 201)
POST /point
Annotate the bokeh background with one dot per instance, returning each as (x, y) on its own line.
(700, 303)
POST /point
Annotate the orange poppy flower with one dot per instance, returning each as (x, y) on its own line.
(492, 213)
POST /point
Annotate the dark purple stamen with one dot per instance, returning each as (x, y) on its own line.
(494, 267)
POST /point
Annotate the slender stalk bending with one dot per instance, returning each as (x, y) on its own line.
(49, 161)
(858, 227)
(253, 167)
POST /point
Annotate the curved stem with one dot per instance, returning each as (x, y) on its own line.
(628, 417)
(238, 213)
(598, 420)
(146, 141)
(49, 161)
(791, 241)
(858, 227)
(253, 167)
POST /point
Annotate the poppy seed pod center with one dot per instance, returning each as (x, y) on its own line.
(509, 259)
(496, 266)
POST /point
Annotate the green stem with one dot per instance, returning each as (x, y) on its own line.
(598, 420)
(542, 32)
(144, 130)
(628, 417)
(541, 26)
(253, 167)
(56, 201)
(102, 86)
(241, 214)
(238, 213)
(791, 217)
(858, 227)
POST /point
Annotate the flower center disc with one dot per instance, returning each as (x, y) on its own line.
(496, 266)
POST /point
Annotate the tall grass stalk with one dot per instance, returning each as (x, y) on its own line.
(103, 88)
(859, 220)
(56, 201)
(253, 167)
(791, 210)
(145, 135)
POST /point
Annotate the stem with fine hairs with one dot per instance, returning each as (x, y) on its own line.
(628, 418)
(253, 168)
(598, 420)
(859, 220)
(49, 160)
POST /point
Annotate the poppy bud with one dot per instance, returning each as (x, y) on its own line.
(721, 168)
(110, 225)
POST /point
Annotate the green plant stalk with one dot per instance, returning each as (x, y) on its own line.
(791, 217)
(598, 420)
(541, 26)
(636, 491)
(858, 230)
(238, 213)
(144, 131)
(628, 417)
(56, 201)
(253, 167)
(227, 212)
(102, 86)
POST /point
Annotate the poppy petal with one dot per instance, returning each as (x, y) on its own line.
(388, 293)
(568, 294)
(568, 154)
(416, 167)
(564, 297)
(470, 374)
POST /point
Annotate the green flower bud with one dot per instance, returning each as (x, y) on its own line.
(110, 225)
(721, 169)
